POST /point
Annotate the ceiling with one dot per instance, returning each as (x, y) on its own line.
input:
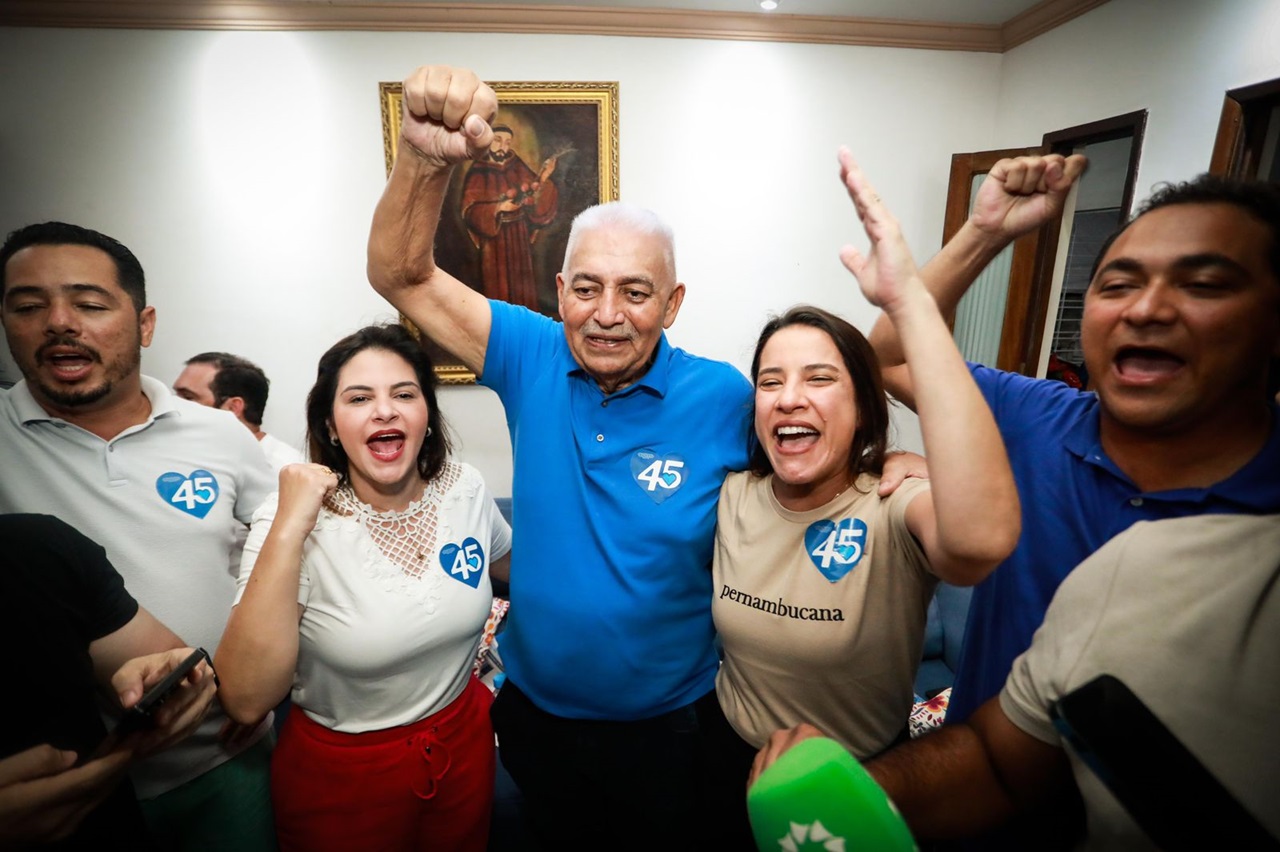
(973, 25)
(990, 12)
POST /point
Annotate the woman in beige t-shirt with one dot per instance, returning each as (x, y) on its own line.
(822, 585)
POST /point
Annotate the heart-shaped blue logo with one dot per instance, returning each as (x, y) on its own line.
(835, 549)
(194, 494)
(463, 563)
(658, 476)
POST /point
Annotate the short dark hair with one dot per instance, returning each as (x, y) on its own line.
(240, 377)
(391, 338)
(128, 270)
(871, 439)
(1260, 199)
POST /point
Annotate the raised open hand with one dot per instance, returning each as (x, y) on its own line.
(1022, 193)
(887, 272)
(447, 114)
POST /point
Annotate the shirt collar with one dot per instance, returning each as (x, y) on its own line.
(1083, 438)
(1254, 485)
(656, 378)
(30, 411)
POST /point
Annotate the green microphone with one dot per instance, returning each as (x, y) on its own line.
(817, 796)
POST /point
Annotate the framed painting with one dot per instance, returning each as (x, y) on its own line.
(506, 216)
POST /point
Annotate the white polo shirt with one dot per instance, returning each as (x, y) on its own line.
(165, 499)
(278, 455)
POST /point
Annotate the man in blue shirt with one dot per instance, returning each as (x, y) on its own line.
(621, 443)
(1181, 327)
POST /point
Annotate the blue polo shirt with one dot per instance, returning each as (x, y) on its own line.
(614, 520)
(1074, 499)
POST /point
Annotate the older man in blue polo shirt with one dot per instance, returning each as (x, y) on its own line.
(621, 443)
(1181, 329)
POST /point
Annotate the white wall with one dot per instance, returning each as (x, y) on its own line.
(242, 168)
(1175, 58)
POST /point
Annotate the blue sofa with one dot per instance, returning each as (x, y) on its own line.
(942, 637)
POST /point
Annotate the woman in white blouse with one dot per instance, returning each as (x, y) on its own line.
(364, 590)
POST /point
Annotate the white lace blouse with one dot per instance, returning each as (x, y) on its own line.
(394, 603)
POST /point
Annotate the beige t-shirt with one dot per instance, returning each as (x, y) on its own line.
(821, 613)
(1186, 612)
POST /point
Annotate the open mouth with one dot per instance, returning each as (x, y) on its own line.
(1142, 364)
(68, 364)
(795, 437)
(386, 445)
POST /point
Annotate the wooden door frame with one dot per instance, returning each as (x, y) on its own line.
(1237, 142)
(964, 167)
(1064, 142)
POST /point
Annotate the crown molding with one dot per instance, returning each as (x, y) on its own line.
(563, 20)
(1041, 18)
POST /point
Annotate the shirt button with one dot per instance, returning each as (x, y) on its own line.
(1135, 501)
(604, 404)
(599, 438)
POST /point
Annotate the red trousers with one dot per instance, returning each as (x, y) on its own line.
(423, 786)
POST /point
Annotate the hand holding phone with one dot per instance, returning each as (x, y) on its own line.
(141, 716)
(182, 686)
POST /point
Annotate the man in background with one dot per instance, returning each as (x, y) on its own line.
(161, 483)
(235, 384)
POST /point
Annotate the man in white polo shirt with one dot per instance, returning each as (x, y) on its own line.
(162, 483)
(235, 384)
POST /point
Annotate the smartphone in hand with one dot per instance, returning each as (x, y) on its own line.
(140, 716)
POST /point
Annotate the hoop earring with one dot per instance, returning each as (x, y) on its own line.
(333, 440)
(428, 431)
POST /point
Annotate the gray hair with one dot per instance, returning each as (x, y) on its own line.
(625, 217)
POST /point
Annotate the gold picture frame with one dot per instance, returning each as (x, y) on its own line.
(573, 124)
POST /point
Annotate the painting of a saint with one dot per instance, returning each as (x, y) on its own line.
(505, 206)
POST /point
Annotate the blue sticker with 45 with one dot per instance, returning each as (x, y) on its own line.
(194, 493)
(658, 476)
(835, 549)
(463, 562)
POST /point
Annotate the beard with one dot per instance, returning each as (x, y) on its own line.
(501, 156)
(123, 366)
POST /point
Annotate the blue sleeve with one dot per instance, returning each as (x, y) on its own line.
(1018, 401)
(522, 346)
